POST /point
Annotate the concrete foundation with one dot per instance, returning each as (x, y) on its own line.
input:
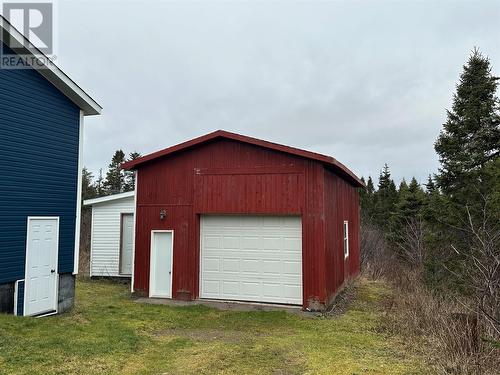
(66, 298)
(7, 298)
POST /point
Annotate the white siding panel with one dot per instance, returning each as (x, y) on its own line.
(105, 258)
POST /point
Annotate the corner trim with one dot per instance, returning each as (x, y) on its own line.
(16, 294)
(76, 254)
(91, 241)
(133, 235)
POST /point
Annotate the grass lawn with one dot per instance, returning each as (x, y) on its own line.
(108, 333)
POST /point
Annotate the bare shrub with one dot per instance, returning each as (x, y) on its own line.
(375, 257)
(443, 325)
(411, 242)
(481, 267)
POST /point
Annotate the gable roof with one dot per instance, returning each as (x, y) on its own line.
(50, 71)
(108, 198)
(328, 161)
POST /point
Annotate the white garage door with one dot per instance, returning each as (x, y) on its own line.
(251, 258)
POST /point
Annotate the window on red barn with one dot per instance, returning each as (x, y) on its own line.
(346, 238)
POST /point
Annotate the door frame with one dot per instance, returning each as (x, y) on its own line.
(150, 294)
(56, 284)
(120, 249)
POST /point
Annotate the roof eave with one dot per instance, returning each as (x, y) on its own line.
(51, 72)
(108, 198)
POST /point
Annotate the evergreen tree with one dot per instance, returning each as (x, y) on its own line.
(409, 207)
(385, 198)
(130, 175)
(414, 201)
(403, 189)
(367, 199)
(430, 186)
(434, 205)
(470, 138)
(88, 188)
(115, 177)
(363, 193)
(469, 153)
(99, 185)
(370, 188)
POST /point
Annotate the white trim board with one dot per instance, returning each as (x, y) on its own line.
(16, 295)
(76, 253)
(345, 238)
(51, 72)
(91, 241)
(135, 226)
(107, 198)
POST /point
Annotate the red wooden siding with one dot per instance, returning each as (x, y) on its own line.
(230, 177)
(341, 203)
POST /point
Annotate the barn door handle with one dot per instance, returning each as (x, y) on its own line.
(169, 272)
(52, 271)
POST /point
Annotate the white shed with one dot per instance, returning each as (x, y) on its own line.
(112, 235)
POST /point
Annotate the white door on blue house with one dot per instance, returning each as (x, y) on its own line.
(160, 277)
(41, 266)
(127, 244)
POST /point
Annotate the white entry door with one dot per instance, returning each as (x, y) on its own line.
(127, 244)
(41, 265)
(251, 258)
(160, 275)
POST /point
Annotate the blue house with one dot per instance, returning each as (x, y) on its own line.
(41, 127)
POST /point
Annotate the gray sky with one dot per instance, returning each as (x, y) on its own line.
(366, 82)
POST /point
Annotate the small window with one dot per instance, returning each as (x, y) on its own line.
(346, 239)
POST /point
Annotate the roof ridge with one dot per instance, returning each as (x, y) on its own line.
(326, 160)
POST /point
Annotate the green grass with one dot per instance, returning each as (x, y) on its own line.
(108, 333)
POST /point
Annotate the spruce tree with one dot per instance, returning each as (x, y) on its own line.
(363, 194)
(403, 189)
(88, 188)
(414, 200)
(99, 185)
(370, 188)
(367, 199)
(470, 139)
(115, 177)
(385, 198)
(469, 153)
(411, 200)
(130, 175)
(430, 186)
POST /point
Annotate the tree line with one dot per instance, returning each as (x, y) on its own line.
(116, 180)
(448, 229)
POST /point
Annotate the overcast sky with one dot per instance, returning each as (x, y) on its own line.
(366, 82)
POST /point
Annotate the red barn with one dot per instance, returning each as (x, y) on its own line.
(225, 216)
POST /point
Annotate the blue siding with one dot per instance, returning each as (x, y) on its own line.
(39, 131)
(20, 298)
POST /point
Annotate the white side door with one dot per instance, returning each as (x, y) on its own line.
(160, 275)
(127, 244)
(41, 266)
